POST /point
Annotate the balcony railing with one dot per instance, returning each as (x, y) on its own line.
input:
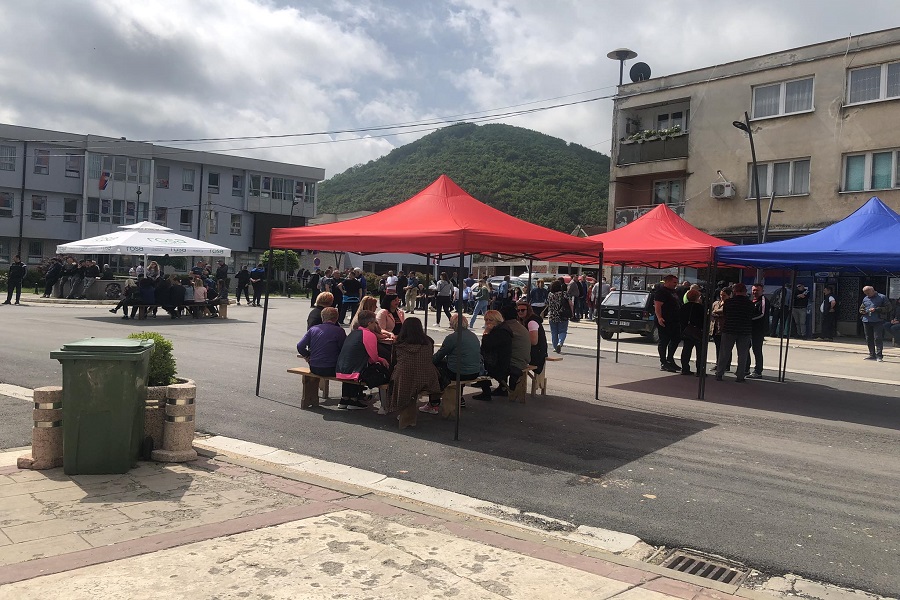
(626, 215)
(651, 150)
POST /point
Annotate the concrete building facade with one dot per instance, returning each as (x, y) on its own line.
(59, 187)
(823, 122)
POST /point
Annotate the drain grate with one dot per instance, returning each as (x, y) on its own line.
(702, 566)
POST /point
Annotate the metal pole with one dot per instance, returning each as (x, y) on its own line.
(787, 343)
(765, 233)
(457, 350)
(262, 331)
(597, 321)
(755, 180)
(425, 303)
(704, 344)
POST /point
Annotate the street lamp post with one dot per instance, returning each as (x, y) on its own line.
(294, 203)
(745, 127)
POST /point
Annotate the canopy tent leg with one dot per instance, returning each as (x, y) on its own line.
(597, 321)
(457, 350)
(262, 331)
(782, 367)
(425, 288)
(703, 350)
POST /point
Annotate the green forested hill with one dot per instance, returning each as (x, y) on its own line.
(529, 175)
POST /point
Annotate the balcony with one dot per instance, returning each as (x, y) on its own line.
(652, 150)
(626, 215)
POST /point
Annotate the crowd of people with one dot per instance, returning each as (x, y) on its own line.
(386, 346)
(198, 293)
(741, 321)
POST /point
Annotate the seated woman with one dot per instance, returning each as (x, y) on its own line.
(322, 344)
(457, 356)
(390, 317)
(128, 297)
(359, 364)
(413, 372)
(146, 294)
(369, 303)
(536, 334)
(176, 297)
(496, 349)
(199, 298)
(323, 301)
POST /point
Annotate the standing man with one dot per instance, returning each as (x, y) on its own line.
(781, 314)
(758, 326)
(481, 294)
(243, 282)
(54, 272)
(222, 271)
(573, 290)
(738, 313)
(91, 274)
(390, 283)
(258, 281)
(351, 289)
(402, 282)
(801, 301)
(828, 308)
(312, 284)
(667, 307)
(15, 277)
(412, 291)
(875, 308)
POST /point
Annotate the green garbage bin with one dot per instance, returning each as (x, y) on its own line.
(104, 392)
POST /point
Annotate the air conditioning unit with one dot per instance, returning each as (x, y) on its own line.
(721, 190)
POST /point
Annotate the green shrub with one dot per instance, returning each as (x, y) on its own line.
(162, 363)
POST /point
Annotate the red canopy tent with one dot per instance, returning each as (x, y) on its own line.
(441, 219)
(658, 239)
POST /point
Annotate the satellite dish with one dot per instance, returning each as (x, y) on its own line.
(639, 72)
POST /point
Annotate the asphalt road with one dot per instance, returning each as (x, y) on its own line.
(800, 477)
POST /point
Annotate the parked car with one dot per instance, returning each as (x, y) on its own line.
(635, 314)
(513, 281)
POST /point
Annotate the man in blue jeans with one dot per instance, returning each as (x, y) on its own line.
(875, 308)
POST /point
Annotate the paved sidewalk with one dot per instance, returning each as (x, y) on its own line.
(213, 528)
(251, 521)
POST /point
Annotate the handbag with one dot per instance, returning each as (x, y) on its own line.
(692, 332)
(375, 375)
(565, 309)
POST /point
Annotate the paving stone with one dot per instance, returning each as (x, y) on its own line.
(56, 527)
(17, 553)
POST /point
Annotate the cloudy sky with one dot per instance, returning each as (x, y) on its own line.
(353, 71)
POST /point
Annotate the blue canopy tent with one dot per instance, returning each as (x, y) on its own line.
(865, 241)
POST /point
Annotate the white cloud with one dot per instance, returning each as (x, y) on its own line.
(163, 69)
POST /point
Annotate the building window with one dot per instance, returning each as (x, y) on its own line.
(667, 120)
(783, 98)
(41, 162)
(872, 171)
(70, 210)
(187, 219)
(35, 251)
(105, 210)
(310, 192)
(118, 211)
(73, 165)
(187, 180)
(94, 166)
(277, 188)
(669, 191)
(39, 207)
(162, 177)
(878, 82)
(785, 178)
(132, 170)
(266, 191)
(237, 186)
(235, 224)
(93, 210)
(212, 183)
(254, 185)
(144, 176)
(4, 252)
(120, 167)
(161, 215)
(213, 226)
(143, 211)
(6, 204)
(130, 212)
(7, 158)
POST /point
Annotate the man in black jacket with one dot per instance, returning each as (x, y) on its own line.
(54, 272)
(91, 274)
(758, 326)
(738, 311)
(243, 282)
(15, 276)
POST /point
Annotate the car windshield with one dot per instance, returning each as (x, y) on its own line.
(628, 299)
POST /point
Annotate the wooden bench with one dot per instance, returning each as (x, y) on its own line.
(143, 308)
(539, 380)
(313, 383)
(448, 397)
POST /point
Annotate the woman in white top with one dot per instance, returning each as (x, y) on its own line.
(443, 298)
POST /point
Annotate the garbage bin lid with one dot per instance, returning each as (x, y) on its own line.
(119, 345)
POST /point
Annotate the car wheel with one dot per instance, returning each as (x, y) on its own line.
(654, 335)
(606, 335)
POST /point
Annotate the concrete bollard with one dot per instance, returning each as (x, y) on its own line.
(47, 434)
(178, 427)
(154, 414)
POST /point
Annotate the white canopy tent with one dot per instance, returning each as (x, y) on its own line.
(143, 239)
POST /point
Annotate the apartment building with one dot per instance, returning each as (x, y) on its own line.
(59, 187)
(823, 119)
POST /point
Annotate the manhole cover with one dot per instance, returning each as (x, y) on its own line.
(704, 566)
